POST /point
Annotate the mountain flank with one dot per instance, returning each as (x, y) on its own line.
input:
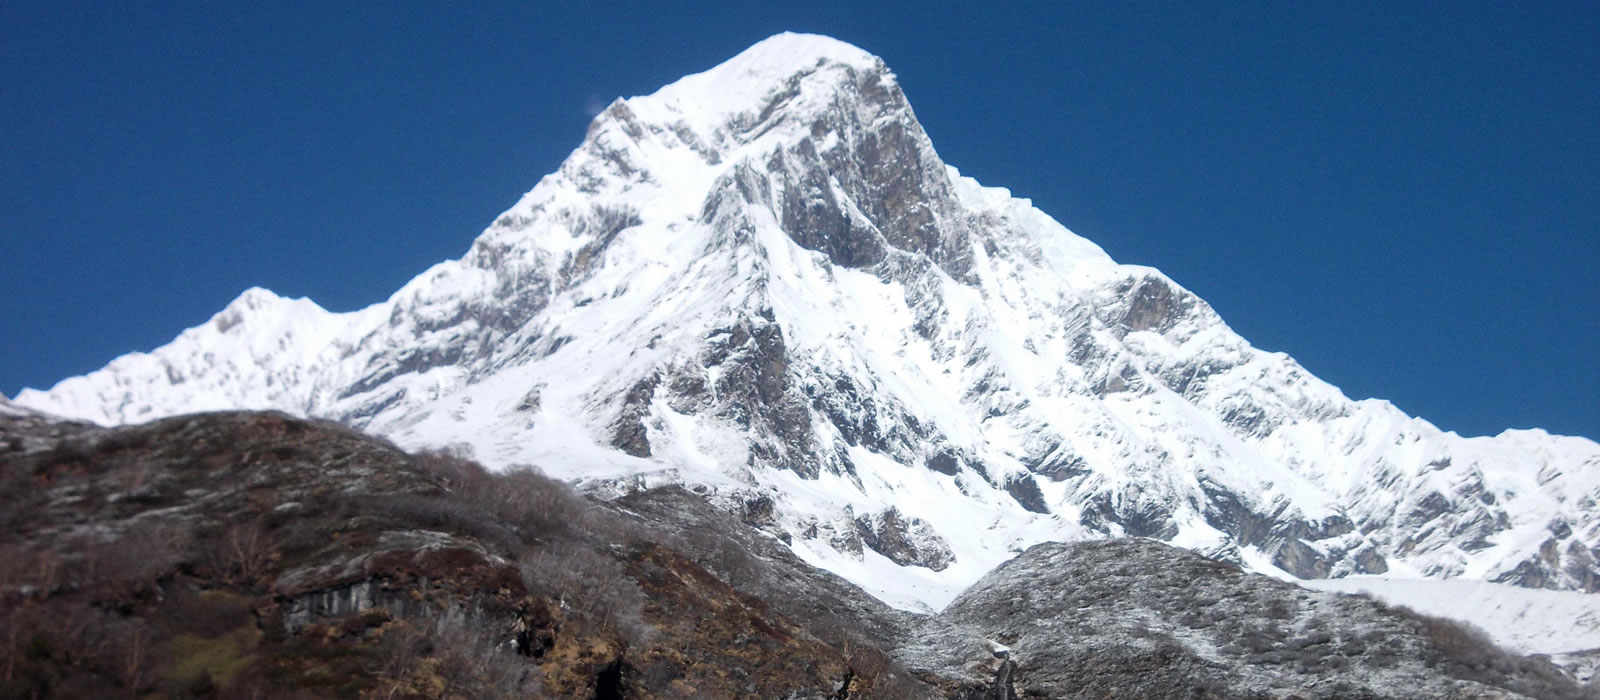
(245, 554)
(762, 282)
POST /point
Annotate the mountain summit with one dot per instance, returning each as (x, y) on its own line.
(763, 283)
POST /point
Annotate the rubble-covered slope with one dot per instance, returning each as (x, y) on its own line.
(762, 280)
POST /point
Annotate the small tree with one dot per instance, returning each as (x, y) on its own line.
(240, 553)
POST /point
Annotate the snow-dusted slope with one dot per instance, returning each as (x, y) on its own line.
(763, 281)
(1523, 620)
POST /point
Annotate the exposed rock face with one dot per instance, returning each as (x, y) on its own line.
(629, 433)
(1153, 305)
(763, 278)
(907, 542)
(1023, 488)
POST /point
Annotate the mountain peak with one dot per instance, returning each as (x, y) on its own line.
(792, 50)
(762, 280)
(768, 64)
(254, 298)
(765, 74)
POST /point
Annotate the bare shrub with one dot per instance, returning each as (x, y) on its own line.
(249, 549)
(444, 514)
(17, 624)
(34, 573)
(25, 646)
(455, 473)
(522, 496)
(16, 562)
(537, 506)
(1259, 638)
(721, 555)
(240, 553)
(21, 492)
(206, 613)
(1195, 620)
(527, 498)
(1459, 641)
(134, 562)
(877, 673)
(1279, 609)
(1468, 652)
(73, 649)
(448, 654)
(127, 652)
(589, 585)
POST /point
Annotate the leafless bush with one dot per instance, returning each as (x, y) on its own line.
(589, 585)
(876, 673)
(17, 625)
(239, 553)
(21, 496)
(206, 613)
(1459, 641)
(1279, 609)
(522, 496)
(127, 652)
(70, 453)
(16, 563)
(1260, 638)
(135, 561)
(897, 683)
(44, 646)
(442, 513)
(27, 572)
(721, 555)
(454, 472)
(451, 656)
(537, 503)
(1469, 652)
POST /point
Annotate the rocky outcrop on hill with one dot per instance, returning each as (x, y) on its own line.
(226, 555)
(1136, 618)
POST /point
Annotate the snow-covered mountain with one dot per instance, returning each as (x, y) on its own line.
(763, 282)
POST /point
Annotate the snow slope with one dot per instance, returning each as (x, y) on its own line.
(763, 282)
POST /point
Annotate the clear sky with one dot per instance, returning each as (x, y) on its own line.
(1405, 196)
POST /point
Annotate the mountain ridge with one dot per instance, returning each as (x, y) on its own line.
(762, 280)
(237, 553)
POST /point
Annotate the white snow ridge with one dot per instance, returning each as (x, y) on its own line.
(763, 282)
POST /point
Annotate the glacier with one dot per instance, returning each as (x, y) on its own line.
(762, 282)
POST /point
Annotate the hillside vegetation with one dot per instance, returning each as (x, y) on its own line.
(237, 555)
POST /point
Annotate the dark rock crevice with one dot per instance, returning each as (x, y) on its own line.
(608, 683)
(1026, 492)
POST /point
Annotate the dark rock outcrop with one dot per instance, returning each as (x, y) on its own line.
(904, 541)
(1137, 618)
(628, 432)
(1026, 492)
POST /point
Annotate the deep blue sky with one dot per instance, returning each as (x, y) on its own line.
(1405, 198)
